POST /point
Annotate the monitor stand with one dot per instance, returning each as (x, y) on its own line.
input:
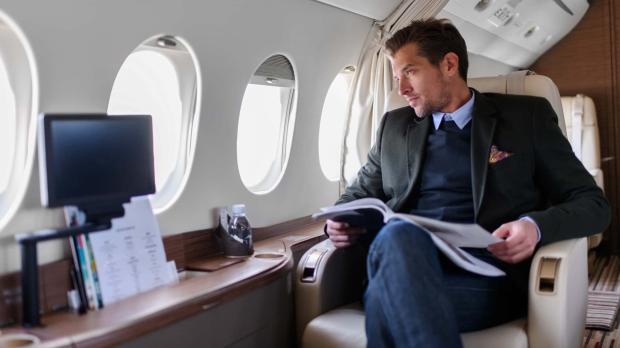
(98, 218)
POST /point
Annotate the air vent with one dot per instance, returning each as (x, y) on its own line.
(531, 31)
(564, 7)
(483, 5)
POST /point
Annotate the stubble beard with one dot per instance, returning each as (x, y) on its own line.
(435, 105)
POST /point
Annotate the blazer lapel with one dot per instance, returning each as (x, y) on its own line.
(483, 128)
(416, 145)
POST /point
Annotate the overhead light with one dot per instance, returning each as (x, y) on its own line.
(271, 80)
(349, 68)
(166, 41)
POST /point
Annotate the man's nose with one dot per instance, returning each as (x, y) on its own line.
(404, 87)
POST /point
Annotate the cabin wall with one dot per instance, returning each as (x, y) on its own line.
(80, 46)
(480, 66)
(261, 318)
(586, 61)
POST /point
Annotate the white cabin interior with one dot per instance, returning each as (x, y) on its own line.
(64, 56)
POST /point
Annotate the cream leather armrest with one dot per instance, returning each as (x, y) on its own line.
(558, 295)
(597, 174)
(596, 239)
(326, 278)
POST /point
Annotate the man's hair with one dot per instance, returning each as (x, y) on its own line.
(434, 38)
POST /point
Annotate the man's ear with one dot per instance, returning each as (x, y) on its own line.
(450, 64)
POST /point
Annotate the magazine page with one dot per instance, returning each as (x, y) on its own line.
(370, 203)
(448, 237)
(465, 260)
(460, 235)
(370, 213)
(130, 256)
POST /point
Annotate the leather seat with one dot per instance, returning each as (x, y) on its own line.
(329, 280)
(582, 133)
(341, 327)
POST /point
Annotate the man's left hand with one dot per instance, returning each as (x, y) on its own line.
(520, 237)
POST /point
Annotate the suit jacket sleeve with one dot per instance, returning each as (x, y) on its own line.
(369, 182)
(577, 206)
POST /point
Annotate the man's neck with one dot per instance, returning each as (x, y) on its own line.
(458, 98)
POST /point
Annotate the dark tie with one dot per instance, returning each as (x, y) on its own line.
(448, 125)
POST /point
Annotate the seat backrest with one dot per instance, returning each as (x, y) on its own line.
(582, 131)
(523, 82)
(519, 82)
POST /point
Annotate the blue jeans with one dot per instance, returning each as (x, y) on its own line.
(416, 297)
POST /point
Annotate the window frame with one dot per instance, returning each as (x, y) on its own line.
(349, 70)
(189, 75)
(22, 71)
(285, 133)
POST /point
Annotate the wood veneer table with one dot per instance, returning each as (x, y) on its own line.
(143, 313)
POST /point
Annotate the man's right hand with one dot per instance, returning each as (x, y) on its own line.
(341, 234)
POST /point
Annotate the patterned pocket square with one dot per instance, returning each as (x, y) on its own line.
(497, 155)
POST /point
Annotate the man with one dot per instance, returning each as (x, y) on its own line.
(459, 155)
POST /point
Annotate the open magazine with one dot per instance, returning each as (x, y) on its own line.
(448, 237)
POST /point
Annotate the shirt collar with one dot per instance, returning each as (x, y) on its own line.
(460, 116)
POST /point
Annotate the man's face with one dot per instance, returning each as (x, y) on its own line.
(421, 83)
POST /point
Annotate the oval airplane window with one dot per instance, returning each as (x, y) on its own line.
(266, 123)
(19, 97)
(332, 127)
(161, 78)
(7, 127)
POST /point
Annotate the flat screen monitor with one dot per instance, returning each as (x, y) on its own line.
(87, 160)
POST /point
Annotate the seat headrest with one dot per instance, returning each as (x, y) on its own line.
(518, 82)
(523, 82)
(589, 111)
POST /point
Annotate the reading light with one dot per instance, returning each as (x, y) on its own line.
(349, 69)
(531, 31)
(546, 39)
(271, 80)
(482, 5)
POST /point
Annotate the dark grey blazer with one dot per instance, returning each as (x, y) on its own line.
(542, 178)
